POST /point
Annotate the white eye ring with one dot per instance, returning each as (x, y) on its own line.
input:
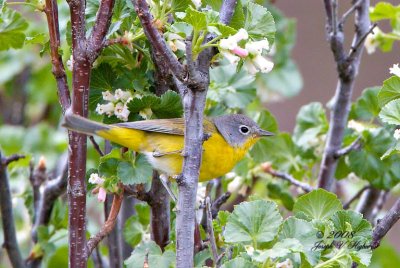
(245, 130)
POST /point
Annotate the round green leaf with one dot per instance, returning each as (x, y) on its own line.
(238, 263)
(253, 222)
(390, 113)
(318, 204)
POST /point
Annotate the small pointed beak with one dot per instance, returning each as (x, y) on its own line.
(264, 133)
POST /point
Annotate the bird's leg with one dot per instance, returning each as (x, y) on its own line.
(164, 181)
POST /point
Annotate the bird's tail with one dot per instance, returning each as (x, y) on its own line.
(82, 125)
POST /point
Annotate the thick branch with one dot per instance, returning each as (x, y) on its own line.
(108, 225)
(51, 11)
(157, 42)
(193, 99)
(7, 216)
(385, 224)
(97, 38)
(347, 70)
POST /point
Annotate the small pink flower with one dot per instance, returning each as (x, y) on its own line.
(241, 52)
(101, 196)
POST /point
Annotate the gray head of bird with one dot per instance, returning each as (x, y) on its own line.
(238, 129)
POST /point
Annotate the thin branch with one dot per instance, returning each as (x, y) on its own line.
(355, 145)
(334, 17)
(356, 196)
(210, 231)
(287, 177)
(216, 205)
(368, 202)
(96, 145)
(52, 190)
(97, 38)
(379, 205)
(58, 69)
(8, 160)
(159, 46)
(37, 177)
(7, 216)
(348, 13)
(361, 40)
(138, 191)
(385, 224)
(108, 225)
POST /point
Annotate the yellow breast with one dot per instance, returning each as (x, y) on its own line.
(164, 151)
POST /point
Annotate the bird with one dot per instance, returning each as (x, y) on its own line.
(230, 137)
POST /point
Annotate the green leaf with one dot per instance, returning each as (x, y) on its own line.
(231, 88)
(108, 167)
(133, 231)
(253, 222)
(155, 256)
(169, 105)
(40, 38)
(304, 232)
(389, 91)
(201, 257)
(384, 10)
(195, 18)
(238, 262)
(282, 193)
(12, 27)
(143, 211)
(259, 22)
(391, 112)
(385, 256)
(280, 249)
(318, 204)
(366, 107)
(221, 30)
(311, 122)
(140, 171)
(59, 258)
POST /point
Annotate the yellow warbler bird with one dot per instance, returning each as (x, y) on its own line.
(162, 140)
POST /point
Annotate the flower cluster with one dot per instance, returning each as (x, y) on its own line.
(175, 42)
(251, 53)
(117, 104)
(100, 190)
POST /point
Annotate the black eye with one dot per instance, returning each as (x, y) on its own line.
(244, 129)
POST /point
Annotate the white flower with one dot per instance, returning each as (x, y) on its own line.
(228, 43)
(70, 63)
(396, 134)
(101, 196)
(107, 96)
(395, 70)
(371, 42)
(196, 3)
(107, 109)
(264, 65)
(201, 194)
(249, 250)
(128, 37)
(356, 126)
(175, 41)
(146, 113)
(250, 67)
(257, 46)
(240, 35)
(121, 111)
(122, 95)
(95, 179)
(241, 52)
(235, 184)
(233, 59)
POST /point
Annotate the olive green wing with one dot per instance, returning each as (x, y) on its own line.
(174, 126)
